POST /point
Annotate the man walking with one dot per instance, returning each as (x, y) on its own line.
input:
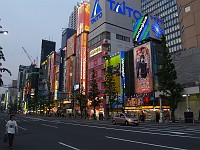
(11, 128)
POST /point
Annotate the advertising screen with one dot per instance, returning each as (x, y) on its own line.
(83, 59)
(147, 26)
(143, 69)
(83, 20)
(71, 46)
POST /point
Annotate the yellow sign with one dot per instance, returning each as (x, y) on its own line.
(95, 51)
(146, 107)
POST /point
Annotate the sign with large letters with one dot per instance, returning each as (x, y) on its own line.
(117, 6)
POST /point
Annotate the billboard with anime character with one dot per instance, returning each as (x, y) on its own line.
(143, 69)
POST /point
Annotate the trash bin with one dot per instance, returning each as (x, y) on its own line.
(188, 117)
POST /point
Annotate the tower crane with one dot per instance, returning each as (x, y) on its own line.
(32, 60)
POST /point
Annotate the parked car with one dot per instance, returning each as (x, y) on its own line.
(124, 118)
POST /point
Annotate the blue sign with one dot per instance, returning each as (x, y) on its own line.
(123, 9)
(96, 13)
(156, 28)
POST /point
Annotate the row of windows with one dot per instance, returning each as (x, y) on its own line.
(174, 42)
(150, 7)
(123, 38)
(173, 35)
(172, 23)
(175, 48)
(100, 37)
(172, 29)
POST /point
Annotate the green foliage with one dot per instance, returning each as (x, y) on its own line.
(3, 69)
(82, 100)
(110, 84)
(94, 92)
(167, 80)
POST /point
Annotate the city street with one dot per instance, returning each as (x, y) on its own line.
(43, 133)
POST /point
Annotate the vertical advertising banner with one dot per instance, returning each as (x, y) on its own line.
(83, 59)
(83, 20)
(71, 46)
(143, 69)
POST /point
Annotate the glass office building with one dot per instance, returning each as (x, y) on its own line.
(168, 11)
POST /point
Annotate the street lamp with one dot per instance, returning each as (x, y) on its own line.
(4, 32)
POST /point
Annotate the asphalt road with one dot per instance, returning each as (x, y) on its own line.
(45, 133)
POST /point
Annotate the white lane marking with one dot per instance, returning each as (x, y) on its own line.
(22, 128)
(49, 125)
(68, 146)
(133, 131)
(143, 143)
(24, 120)
(178, 132)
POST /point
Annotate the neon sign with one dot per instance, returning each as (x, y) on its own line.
(95, 51)
(156, 28)
(123, 9)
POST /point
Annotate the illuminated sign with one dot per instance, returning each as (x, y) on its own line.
(156, 27)
(122, 8)
(147, 26)
(141, 29)
(83, 16)
(96, 13)
(95, 51)
(143, 69)
(123, 77)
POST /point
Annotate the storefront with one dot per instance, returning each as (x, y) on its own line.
(151, 113)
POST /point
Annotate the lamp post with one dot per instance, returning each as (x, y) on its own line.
(4, 32)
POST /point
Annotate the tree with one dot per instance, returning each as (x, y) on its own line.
(110, 84)
(167, 81)
(94, 93)
(3, 69)
(82, 100)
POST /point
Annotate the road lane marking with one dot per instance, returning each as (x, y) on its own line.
(68, 146)
(178, 132)
(143, 143)
(22, 128)
(49, 125)
(133, 131)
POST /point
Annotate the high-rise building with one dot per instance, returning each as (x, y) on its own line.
(47, 48)
(73, 19)
(66, 34)
(168, 11)
(189, 16)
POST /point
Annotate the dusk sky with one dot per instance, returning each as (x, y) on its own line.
(28, 22)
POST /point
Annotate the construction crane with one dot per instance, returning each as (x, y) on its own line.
(32, 60)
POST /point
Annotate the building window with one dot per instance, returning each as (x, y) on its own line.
(122, 38)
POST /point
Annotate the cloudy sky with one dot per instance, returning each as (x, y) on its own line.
(28, 22)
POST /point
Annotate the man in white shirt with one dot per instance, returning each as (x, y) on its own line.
(11, 128)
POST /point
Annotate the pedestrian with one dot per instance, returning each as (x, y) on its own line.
(11, 129)
(142, 117)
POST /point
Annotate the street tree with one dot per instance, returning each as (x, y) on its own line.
(170, 89)
(3, 69)
(82, 100)
(94, 93)
(110, 85)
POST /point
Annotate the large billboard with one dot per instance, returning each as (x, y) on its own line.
(83, 21)
(143, 69)
(118, 67)
(147, 26)
(83, 59)
(108, 11)
(71, 46)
